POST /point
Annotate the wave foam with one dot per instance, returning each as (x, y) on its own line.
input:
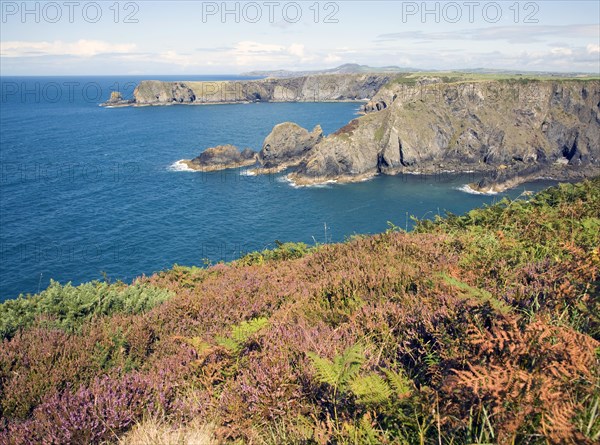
(180, 166)
(467, 189)
(317, 185)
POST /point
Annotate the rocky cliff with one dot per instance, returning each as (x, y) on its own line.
(287, 145)
(317, 88)
(535, 126)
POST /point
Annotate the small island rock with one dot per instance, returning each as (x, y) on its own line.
(116, 100)
(222, 157)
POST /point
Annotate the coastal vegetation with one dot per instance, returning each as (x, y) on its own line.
(475, 328)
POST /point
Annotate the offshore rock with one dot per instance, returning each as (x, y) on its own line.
(222, 157)
(117, 100)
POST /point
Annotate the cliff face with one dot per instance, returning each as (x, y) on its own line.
(287, 144)
(483, 126)
(318, 88)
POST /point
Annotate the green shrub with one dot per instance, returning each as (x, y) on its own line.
(67, 307)
(283, 251)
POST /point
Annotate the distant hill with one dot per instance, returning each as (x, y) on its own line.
(355, 68)
(348, 68)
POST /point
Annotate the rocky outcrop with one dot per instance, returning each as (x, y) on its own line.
(222, 157)
(287, 145)
(117, 100)
(374, 105)
(313, 88)
(505, 178)
(154, 91)
(529, 126)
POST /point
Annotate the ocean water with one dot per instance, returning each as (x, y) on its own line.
(91, 193)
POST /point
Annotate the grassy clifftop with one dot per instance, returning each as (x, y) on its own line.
(482, 328)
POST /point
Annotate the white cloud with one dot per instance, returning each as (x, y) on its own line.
(562, 51)
(332, 58)
(80, 48)
(248, 53)
(297, 50)
(247, 47)
(177, 59)
(245, 53)
(593, 49)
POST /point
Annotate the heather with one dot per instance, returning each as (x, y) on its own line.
(479, 328)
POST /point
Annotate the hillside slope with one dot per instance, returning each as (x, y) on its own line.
(347, 68)
(482, 328)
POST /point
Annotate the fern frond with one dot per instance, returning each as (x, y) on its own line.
(401, 384)
(241, 333)
(349, 363)
(370, 389)
(231, 345)
(362, 431)
(341, 370)
(327, 371)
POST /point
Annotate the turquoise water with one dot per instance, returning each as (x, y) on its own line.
(88, 192)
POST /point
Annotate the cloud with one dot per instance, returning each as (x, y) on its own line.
(593, 49)
(249, 48)
(80, 48)
(297, 50)
(556, 59)
(214, 49)
(183, 60)
(244, 53)
(512, 34)
(254, 55)
(561, 51)
(249, 53)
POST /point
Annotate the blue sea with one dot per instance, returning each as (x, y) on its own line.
(95, 193)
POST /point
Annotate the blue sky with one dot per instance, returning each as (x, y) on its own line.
(193, 37)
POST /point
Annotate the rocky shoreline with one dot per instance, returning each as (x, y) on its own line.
(510, 131)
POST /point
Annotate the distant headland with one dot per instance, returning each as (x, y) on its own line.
(511, 127)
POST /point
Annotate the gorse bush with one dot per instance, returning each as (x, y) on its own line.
(67, 307)
(480, 328)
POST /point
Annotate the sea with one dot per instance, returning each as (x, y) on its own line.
(94, 193)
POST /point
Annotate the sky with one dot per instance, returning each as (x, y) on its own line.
(200, 37)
